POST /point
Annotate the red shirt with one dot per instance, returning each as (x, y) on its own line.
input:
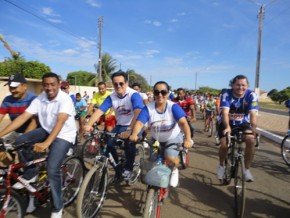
(185, 104)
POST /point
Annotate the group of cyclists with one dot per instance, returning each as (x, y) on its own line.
(49, 121)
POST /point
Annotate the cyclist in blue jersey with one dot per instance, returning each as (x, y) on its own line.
(127, 104)
(165, 118)
(239, 106)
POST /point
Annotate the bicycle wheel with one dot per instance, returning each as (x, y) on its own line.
(240, 191)
(93, 192)
(228, 170)
(285, 149)
(140, 155)
(16, 205)
(90, 150)
(184, 159)
(72, 178)
(151, 205)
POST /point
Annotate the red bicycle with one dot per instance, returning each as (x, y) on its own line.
(157, 179)
(13, 203)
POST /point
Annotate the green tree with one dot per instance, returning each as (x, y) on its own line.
(109, 66)
(272, 92)
(81, 78)
(137, 78)
(30, 69)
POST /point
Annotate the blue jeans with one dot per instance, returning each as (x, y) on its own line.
(130, 148)
(56, 155)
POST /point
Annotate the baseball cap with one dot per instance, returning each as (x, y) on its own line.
(64, 84)
(15, 80)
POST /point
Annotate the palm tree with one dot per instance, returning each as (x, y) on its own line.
(109, 66)
(14, 55)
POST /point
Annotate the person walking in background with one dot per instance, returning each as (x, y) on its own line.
(81, 110)
(287, 104)
(239, 106)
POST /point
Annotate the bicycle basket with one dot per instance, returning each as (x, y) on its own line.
(158, 176)
(146, 165)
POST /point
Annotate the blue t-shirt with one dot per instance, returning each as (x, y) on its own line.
(239, 108)
(80, 104)
(14, 107)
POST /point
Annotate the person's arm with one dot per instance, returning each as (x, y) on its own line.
(94, 118)
(1, 117)
(182, 122)
(90, 108)
(16, 123)
(127, 133)
(192, 112)
(33, 124)
(61, 119)
(136, 129)
(226, 120)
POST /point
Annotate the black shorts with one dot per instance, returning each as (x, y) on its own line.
(243, 126)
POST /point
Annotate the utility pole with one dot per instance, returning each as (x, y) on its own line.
(100, 22)
(195, 81)
(261, 17)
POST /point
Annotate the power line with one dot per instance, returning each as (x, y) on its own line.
(47, 22)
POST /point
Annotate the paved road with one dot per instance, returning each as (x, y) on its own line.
(200, 194)
(285, 113)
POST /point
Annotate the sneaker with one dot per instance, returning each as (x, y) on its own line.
(126, 174)
(221, 172)
(19, 185)
(174, 178)
(248, 176)
(31, 206)
(56, 214)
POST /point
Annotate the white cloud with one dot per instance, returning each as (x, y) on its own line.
(173, 20)
(181, 14)
(54, 20)
(173, 61)
(93, 3)
(146, 43)
(151, 52)
(49, 12)
(70, 52)
(153, 22)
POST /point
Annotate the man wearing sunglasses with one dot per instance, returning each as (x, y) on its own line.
(127, 104)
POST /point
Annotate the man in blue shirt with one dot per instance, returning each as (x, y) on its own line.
(239, 106)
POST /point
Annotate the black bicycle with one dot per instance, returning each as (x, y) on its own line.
(285, 148)
(235, 168)
(94, 188)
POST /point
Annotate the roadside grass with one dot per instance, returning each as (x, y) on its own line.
(272, 105)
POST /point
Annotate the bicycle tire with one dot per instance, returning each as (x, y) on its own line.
(151, 204)
(184, 159)
(240, 190)
(73, 175)
(16, 205)
(285, 149)
(92, 193)
(136, 172)
(89, 152)
(228, 170)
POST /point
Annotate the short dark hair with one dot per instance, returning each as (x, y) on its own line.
(161, 82)
(180, 89)
(50, 74)
(136, 84)
(120, 73)
(78, 94)
(232, 81)
(101, 83)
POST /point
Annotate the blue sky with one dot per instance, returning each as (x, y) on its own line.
(171, 40)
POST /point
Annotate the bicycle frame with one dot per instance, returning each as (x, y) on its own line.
(11, 174)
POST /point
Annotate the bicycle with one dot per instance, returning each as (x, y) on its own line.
(94, 188)
(285, 148)
(12, 202)
(235, 168)
(156, 176)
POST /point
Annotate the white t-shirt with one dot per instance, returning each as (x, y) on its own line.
(47, 112)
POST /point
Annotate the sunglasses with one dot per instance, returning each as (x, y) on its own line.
(63, 88)
(118, 84)
(163, 92)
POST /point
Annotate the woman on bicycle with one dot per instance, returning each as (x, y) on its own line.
(165, 119)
